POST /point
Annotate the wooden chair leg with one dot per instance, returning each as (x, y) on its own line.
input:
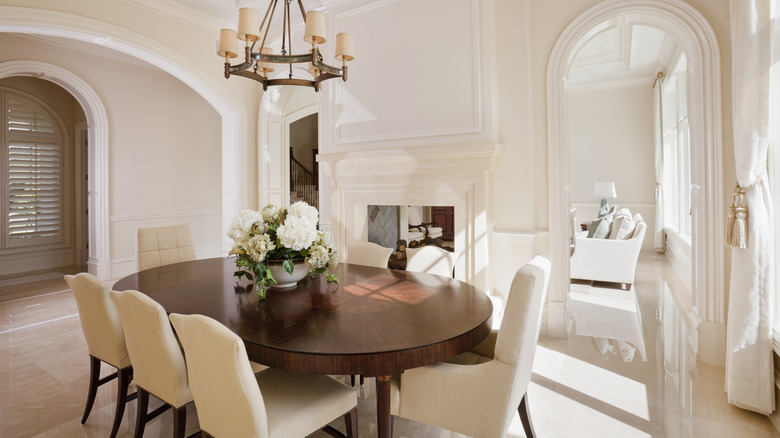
(140, 417)
(525, 417)
(125, 376)
(352, 380)
(179, 421)
(362, 380)
(351, 420)
(94, 378)
(392, 425)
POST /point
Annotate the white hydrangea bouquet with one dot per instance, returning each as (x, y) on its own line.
(288, 235)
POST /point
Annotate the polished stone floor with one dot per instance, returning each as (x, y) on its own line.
(581, 386)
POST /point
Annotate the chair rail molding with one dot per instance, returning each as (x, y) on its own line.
(697, 38)
(450, 175)
(234, 117)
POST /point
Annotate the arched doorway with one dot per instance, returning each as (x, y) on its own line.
(700, 46)
(235, 169)
(280, 107)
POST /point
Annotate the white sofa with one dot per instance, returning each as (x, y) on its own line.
(608, 260)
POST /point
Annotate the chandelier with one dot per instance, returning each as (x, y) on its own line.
(258, 64)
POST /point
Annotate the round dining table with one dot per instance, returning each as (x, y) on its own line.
(373, 322)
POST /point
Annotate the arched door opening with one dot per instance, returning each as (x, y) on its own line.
(288, 127)
(44, 192)
(697, 41)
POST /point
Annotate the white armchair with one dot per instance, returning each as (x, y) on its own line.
(609, 260)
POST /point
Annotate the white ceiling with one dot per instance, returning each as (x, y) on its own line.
(616, 54)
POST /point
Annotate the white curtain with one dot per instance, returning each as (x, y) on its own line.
(749, 370)
(659, 165)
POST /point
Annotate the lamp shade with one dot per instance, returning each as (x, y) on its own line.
(604, 189)
(315, 27)
(345, 50)
(228, 44)
(248, 24)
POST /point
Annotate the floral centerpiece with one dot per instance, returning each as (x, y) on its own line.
(286, 235)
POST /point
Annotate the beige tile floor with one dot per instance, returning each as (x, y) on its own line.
(575, 391)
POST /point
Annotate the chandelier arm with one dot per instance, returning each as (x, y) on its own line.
(303, 11)
(289, 35)
(253, 75)
(268, 25)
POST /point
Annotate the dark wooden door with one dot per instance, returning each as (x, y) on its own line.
(445, 217)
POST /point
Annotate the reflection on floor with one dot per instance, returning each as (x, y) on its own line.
(575, 391)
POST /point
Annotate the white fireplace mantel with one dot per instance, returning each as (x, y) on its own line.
(447, 175)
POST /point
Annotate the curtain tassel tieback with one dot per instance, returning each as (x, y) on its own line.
(736, 224)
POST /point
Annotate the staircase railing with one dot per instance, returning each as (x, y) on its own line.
(304, 182)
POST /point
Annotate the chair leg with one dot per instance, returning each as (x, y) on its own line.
(94, 378)
(525, 417)
(351, 421)
(362, 380)
(140, 416)
(179, 421)
(125, 376)
(352, 380)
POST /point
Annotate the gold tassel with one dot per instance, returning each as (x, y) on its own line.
(740, 232)
(736, 224)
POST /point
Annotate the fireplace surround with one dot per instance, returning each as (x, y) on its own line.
(446, 175)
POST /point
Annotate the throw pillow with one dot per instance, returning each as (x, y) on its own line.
(600, 227)
(623, 225)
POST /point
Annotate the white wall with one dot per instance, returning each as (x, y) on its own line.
(611, 139)
(164, 148)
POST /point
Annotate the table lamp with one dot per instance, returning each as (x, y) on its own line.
(604, 190)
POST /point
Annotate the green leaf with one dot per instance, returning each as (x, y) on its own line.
(288, 266)
(332, 278)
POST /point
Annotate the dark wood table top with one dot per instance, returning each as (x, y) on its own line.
(374, 322)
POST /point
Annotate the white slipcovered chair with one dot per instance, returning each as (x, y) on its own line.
(477, 392)
(610, 260)
(164, 246)
(419, 230)
(431, 259)
(158, 362)
(233, 402)
(105, 340)
(369, 254)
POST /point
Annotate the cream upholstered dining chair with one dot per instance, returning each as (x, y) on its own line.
(431, 259)
(105, 340)
(369, 254)
(164, 245)
(158, 362)
(233, 402)
(477, 392)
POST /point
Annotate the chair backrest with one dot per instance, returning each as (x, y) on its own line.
(99, 320)
(431, 259)
(158, 364)
(520, 326)
(369, 254)
(164, 245)
(413, 215)
(226, 394)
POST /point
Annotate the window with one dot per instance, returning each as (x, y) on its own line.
(677, 176)
(33, 158)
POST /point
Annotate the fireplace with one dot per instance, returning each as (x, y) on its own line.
(460, 176)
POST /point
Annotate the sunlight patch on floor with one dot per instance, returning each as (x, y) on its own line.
(593, 381)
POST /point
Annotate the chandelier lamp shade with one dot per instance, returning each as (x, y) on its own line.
(260, 59)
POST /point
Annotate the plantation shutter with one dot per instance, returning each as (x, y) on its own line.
(34, 170)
